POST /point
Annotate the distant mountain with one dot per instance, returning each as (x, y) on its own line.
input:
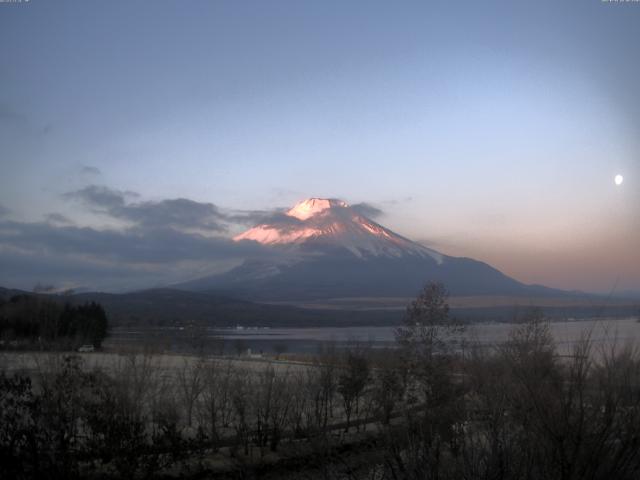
(635, 294)
(166, 307)
(329, 249)
(6, 293)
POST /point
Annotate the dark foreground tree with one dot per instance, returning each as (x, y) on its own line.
(351, 383)
(427, 328)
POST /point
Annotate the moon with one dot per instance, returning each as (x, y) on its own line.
(618, 179)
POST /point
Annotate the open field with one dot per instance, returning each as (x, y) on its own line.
(165, 364)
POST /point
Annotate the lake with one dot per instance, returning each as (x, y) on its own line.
(603, 332)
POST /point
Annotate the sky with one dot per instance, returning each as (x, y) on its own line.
(137, 137)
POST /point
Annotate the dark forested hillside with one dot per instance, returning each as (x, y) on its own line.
(176, 307)
(35, 318)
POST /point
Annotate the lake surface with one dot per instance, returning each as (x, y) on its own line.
(603, 332)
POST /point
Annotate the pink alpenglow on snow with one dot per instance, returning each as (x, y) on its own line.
(310, 207)
(334, 223)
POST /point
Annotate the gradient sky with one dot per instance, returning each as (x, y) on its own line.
(485, 129)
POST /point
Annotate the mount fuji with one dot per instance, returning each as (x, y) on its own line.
(328, 249)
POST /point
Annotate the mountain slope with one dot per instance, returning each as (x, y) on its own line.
(329, 249)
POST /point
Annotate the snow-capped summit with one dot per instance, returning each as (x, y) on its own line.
(311, 206)
(317, 223)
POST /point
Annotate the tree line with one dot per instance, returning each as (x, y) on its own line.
(33, 318)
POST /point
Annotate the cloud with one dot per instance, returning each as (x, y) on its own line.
(283, 221)
(180, 213)
(367, 210)
(18, 122)
(9, 115)
(177, 213)
(278, 216)
(43, 288)
(20, 269)
(398, 201)
(136, 257)
(90, 170)
(57, 218)
(136, 245)
(4, 211)
(262, 217)
(161, 242)
(98, 197)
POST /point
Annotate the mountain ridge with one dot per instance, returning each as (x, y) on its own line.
(330, 249)
(166, 307)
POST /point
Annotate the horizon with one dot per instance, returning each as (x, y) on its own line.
(139, 138)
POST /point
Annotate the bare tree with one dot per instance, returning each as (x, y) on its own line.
(428, 329)
(242, 390)
(426, 343)
(190, 381)
(388, 387)
(138, 378)
(299, 403)
(215, 402)
(351, 383)
(271, 403)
